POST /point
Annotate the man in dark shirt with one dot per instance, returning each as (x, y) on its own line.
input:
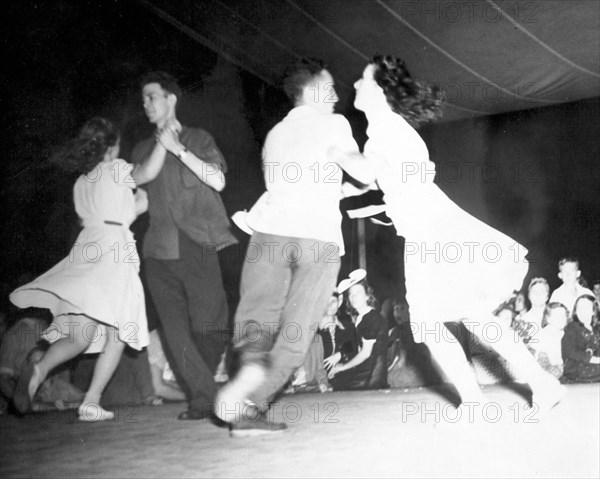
(188, 226)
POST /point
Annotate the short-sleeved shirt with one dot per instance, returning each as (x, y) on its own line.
(303, 183)
(374, 326)
(180, 202)
(578, 345)
(566, 297)
(104, 194)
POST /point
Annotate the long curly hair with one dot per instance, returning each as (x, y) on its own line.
(417, 102)
(81, 154)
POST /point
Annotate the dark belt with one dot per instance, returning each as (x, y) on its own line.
(115, 223)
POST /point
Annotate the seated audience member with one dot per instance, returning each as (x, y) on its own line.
(596, 290)
(335, 334)
(538, 293)
(57, 391)
(312, 375)
(163, 379)
(571, 289)
(22, 343)
(368, 368)
(507, 315)
(338, 333)
(400, 321)
(546, 344)
(581, 343)
(400, 334)
(521, 306)
(387, 311)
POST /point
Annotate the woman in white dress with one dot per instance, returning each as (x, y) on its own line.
(471, 266)
(95, 293)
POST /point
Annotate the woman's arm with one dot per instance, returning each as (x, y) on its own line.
(141, 201)
(360, 358)
(357, 165)
(150, 168)
(209, 173)
(349, 189)
(333, 360)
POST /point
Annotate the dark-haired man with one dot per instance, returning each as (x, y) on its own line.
(188, 225)
(293, 258)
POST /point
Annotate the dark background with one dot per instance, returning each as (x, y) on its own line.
(533, 174)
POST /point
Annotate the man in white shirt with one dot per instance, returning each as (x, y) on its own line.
(570, 290)
(293, 258)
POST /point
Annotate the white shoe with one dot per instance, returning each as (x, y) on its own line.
(231, 399)
(93, 412)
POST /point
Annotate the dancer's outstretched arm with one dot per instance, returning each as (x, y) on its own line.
(350, 189)
(355, 164)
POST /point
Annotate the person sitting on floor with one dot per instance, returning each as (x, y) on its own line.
(538, 293)
(22, 344)
(312, 375)
(581, 343)
(546, 345)
(368, 368)
(571, 288)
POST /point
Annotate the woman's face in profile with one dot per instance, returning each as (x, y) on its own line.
(368, 92)
(357, 296)
(332, 306)
(520, 303)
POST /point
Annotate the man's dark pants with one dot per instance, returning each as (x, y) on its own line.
(192, 309)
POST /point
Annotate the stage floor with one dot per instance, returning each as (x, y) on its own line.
(393, 433)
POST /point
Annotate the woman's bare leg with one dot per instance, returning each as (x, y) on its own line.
(82, 331)
(104, 369)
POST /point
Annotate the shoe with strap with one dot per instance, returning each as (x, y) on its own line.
(93, 412)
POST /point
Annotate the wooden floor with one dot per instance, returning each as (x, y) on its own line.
(394, 433)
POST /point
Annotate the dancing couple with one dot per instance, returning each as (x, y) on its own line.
(469, 287)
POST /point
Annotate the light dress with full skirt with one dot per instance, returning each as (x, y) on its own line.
(456, 266)
(100, 276)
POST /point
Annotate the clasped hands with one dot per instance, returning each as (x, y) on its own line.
(168, 135)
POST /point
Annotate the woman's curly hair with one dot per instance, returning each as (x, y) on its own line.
(80, 155)
(417, 102)
(371, 298)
